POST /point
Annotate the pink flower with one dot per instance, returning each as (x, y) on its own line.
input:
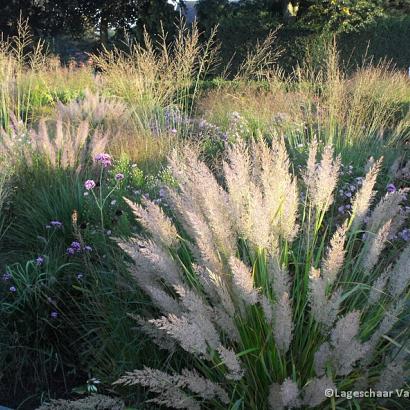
(104, 159)
(89, 184)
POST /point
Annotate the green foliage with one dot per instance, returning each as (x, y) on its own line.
(336, 16)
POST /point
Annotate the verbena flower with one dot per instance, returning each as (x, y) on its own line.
(76, 246)
(6, 276)
(56, 224)
(104, 159)
(405, 234)
(119, 177)
(39, 260)
(54, 314)
(12, 289)
(391, 188)
(70, 251)
(89, 184)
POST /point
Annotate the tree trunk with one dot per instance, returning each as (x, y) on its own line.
(104, 28)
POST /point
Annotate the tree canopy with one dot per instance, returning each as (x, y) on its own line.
(52, 17)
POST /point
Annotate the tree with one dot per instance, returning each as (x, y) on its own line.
(51, 17)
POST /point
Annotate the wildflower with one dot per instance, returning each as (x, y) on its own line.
(88, 248)
(89, 184)
(76, 246)
(104, 159)
(86, 194)
(70, 251)
(6, 277)
(391, 188)
(341, 209)
(113, 202)
(56, 224)
(54, 314)
(119, 177)
(405, 234)
(39, 260)
(12, 289)
(80, 275)
(174, 131)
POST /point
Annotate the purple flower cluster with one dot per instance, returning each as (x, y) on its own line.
(207, 130)
(89, 184)
(6, 277)
(40, 260)
(348, 191)
(76, 247)
(54, 224)
(405, 234)
(391, 188)
(119, 177)
(104, 159)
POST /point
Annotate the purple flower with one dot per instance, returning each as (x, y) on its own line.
(6, 277)
(341, 209)
(80, 275)
(405, 234)
(54, 314)
(89, 184)
(12, 289)
(88, 248)
(76, 246)
(391, 188)
(56, 224)
(39, 261)
(70, 251)
(348, 194)
(104, 159)
(119, 177)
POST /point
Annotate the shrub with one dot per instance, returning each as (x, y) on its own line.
(272, 296)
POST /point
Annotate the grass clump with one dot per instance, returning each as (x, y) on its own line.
(273, 300)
